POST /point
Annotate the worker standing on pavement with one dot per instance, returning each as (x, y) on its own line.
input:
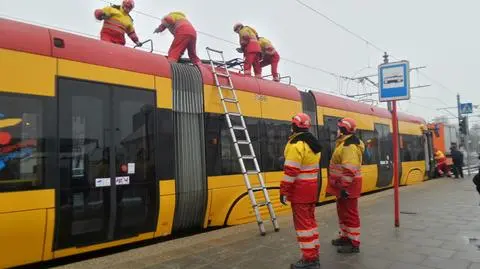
(116, 22)
(270, 56)
(476, 178)
(250, 47)
(299, 186)
(345, 182)
(457, 158)
(185, 36)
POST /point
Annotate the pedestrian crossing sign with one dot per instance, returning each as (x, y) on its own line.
(466, 108)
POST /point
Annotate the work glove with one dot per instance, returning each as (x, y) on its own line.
(138, 43)
(344, 194)
(157, 30)
(239, 50)
(283, 199)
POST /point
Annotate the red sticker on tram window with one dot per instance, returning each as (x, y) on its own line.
(5, 138)
(123, 168)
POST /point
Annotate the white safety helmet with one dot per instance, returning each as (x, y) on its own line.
(237, 27)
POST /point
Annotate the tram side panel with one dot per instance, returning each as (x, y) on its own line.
(27, 198)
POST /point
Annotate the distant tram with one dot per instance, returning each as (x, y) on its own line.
(104, 145)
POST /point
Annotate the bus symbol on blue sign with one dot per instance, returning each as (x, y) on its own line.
(394, 82)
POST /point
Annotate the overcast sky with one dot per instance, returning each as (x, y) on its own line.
(442, 35)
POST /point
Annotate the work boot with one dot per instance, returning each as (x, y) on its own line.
(303, 264)
(345, 249)
(342, 241)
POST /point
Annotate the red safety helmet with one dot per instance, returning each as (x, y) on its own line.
(128, 5)
(302, 120)
(349, 124)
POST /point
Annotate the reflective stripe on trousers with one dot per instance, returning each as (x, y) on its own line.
(306, 230)
(349, 219)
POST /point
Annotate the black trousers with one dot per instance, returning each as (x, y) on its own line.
(457, 170)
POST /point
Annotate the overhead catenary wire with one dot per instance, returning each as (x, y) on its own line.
(235, 44)
(338, 76)
(364, 39)
(97, 36)
(339, 25)
(62, 29)
(333, 74)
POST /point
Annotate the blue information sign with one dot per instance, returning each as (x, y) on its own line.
(394, 81)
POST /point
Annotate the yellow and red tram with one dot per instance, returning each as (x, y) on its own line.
(103, 145)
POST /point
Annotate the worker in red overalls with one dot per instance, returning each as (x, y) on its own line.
(300, 185)
(442, 167)
(185, 36)
(250, 47)
(270, 56)
(117, 22)
(345, 182)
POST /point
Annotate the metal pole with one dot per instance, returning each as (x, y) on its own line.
(396, 155)
(395, 162)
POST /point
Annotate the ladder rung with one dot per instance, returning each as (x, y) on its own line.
(222, 75)
(247, 157)
(262, 204)
(243, 142)
(240, 128)
(225, 87)
(252, 172)
(234, 114)
(214, 50)
(256, 188)
(230, 100)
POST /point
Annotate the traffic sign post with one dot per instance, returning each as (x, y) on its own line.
(394, 85)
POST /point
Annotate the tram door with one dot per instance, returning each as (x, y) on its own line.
(106, 160)
(385, 153)
(429, 154)
(309, 106)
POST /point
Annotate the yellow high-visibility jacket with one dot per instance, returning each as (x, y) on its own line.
(266, 45)
(302, 159)
(177, 23)
(345, 165)
(249, 40)
(119, 21)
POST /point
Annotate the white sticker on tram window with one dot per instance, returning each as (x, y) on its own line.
(102, 182)
(122, 180)
(131, 168)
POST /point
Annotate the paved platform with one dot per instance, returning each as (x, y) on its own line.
(440, 224)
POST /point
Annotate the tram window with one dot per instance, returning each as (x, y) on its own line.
(412, 148)
(22, 151)
(274, 135)
(324, 139)
(221, 155)
(328, 138)
(370, 154)
(164, 138)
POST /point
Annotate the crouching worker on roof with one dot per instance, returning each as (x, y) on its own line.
(299, 186)
(345, 182)
(270, 56)
(250, 47)
(185, 36)
(117, 22)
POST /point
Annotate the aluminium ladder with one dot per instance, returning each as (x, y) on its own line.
(220, 65)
